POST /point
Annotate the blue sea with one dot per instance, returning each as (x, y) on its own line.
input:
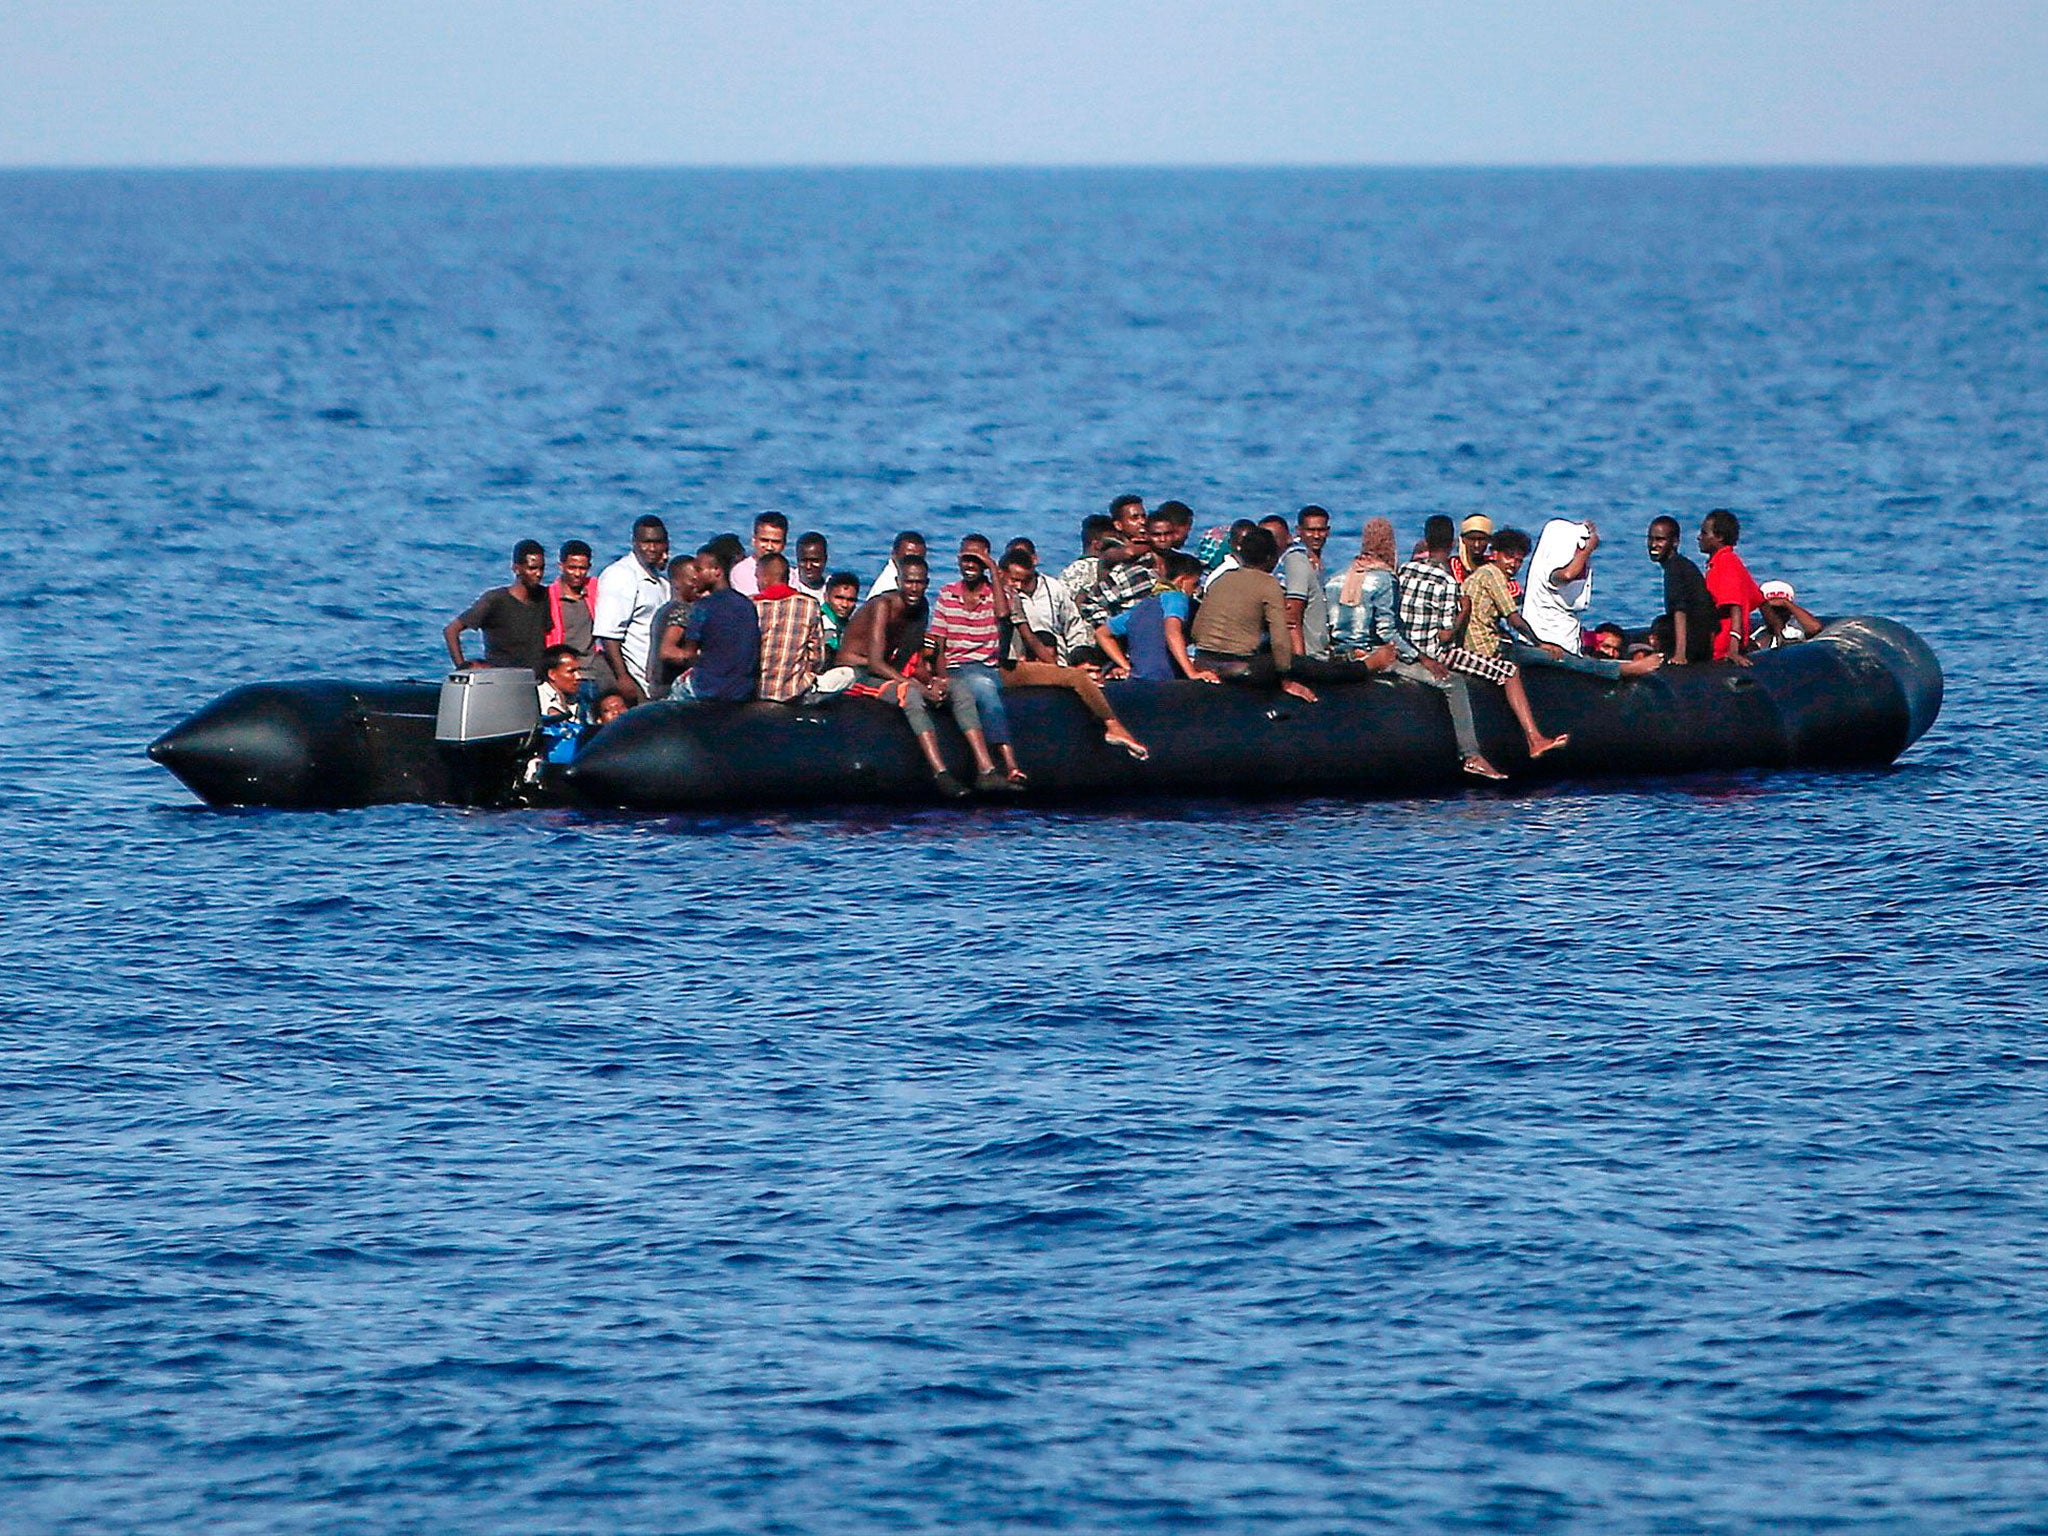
(1606, 1157)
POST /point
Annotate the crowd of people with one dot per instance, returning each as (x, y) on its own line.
(1255, 603)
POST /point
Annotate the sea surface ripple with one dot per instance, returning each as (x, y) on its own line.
(1664, 1155)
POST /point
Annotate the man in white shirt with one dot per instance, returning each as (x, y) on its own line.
(1560, 591)
(1043, 605)
(629, 593)
(908, 543)
(807, 572)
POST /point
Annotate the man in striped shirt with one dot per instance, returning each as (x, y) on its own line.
(1433, 613)
(966, 638)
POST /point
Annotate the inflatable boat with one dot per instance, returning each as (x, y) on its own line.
(1859, 693)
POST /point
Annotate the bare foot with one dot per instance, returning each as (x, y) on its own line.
(1543, 746)
(1480, 768)
(1129, 743)
(1636, 666)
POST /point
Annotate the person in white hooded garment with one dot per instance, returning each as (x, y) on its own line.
(1560, 591)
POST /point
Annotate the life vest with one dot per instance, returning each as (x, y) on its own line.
(555, 608)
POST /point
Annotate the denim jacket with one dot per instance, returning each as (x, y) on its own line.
(1371, 621)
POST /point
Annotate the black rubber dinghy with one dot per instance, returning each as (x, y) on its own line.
(1860, 693)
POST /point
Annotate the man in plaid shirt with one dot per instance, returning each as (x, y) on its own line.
(792, 639)
(1125, 583)
(1432, 612)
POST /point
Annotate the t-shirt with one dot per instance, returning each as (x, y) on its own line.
(1302, 578)
(969, 630)
(1143, 631)
(515, 632)
(1729, 584)
(1243, 607)
(746, 578)
(1487, 591)
(727, 634)
(1552, 609)
(1685, 591)
(660, 676)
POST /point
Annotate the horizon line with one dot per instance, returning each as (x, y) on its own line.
(433, 167)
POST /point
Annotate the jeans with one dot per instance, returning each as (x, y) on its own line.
(1592, 666)
(975, 695)
(1457, 694)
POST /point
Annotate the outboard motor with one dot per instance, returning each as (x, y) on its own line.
(485, 731)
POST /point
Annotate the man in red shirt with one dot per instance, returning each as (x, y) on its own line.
(1734, 591)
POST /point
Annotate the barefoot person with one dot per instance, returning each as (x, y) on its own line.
(1434, 614)
(1035, 656)
(1241, 631)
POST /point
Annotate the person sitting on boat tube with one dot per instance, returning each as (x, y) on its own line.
(965, 640)
(722, 641)
(792, 637)
(1033, 655)
(1434, 615)
(1241, 631)
(882, 645)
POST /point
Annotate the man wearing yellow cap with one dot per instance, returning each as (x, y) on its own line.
(1475, 537)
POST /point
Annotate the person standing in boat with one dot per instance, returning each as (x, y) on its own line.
(572, 614)
(908, 544)
(630, 592)
(513, 619)
(771, 537)
(1079, 576)
(807, 572)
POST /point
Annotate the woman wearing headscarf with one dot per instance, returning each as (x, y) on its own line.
(1363, 619)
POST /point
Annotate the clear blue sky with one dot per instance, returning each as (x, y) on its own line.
(775, 82)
